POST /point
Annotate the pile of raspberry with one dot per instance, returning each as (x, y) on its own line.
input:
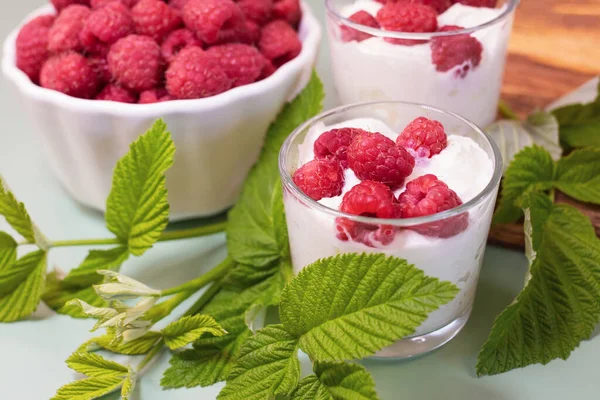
(149, 51)
(420, 16)
(382, 166)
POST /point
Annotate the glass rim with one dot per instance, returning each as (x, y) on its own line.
(288, 182)
(331, 10)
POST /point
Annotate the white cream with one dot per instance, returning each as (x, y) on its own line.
(378, 70)
(463, 165)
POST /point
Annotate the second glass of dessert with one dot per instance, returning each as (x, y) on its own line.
(446, 53)
(401, 179)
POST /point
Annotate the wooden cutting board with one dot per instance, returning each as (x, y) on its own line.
(553, 50)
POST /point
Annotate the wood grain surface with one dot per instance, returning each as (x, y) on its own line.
(554, 48)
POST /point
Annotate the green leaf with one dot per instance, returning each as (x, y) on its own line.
(531, 170)
(8, 251)
(337, 381)
(12, 276)
(17, 216)
(93, 365)
(23, 298)
(268, 365)
(560, 305)
(578, 175)
(352, 305)
(87, 273)
(138, 346)
(128, 385)
(57, 295)
(137, 210)
(580, 124)
(89, 389)
(190, 328)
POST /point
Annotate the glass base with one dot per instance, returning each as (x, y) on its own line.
(416, 346)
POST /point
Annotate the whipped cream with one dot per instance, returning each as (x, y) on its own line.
(464, 166)
(375, 69)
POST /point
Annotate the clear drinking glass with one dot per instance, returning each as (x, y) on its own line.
(314, 228)
(371, 64)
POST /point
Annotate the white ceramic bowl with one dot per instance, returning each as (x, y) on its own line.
(218, 138)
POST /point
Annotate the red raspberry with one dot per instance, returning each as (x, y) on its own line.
(32, 46)
(194, 75)
(333, 144)
(258, 11)
(135, 63)
(320, 178)
(95, 4)
(61, 4)
(288, 10)
(177, 41)
(155, 19)
(71, 74)
(360, 17)
(425, 136)
(116, 93)
(279, 42)
(368, 199)
(155, 96)
(212, 20)
(100, 66)
(462, 50)
(407, 17)
(64, 34)
(243, 64)
(105, 26)
(439, 5)
(253, 32)
(477, 3)
(177, 4)
(268, 70)
(375, 157)
(427, 195)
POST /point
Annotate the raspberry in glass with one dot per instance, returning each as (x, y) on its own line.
(407, 17)
(424, 136)
(448, 52)
(333, 144)
(477, 3)
(320, 179)
(360, 17)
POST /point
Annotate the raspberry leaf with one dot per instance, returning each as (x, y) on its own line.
(337, 381)
(87, 273)
(560, 305)
(93, 365)
(18, 217)
(188, 329)
(267, 366)
(90, 388)
(8, 251)
(578, 175)
(141, 345)
(352, 305)
(128, 384)
(57, 295)
(579, 124)
(137, 210)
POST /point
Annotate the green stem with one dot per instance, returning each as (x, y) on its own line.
(216, 273)
(165, 308)
(204, 299)
(153, 353)
(506, 111)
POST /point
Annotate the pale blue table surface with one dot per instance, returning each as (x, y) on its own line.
(32, 352)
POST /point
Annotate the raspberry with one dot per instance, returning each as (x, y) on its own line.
(279, 42)
(427, 195)
(155, 96)
(448, 52)
(177, 4)
(320, 178)
(95, 4)
(194, 75)
(100, 67)
(477, 3)
(212, 20)
(64, 34)
(426, 137)
(375, 157)
(268, 70)
(32, 46)
(363, 18)
(368, 199)
(333, 144)
(71, 74)
(105, 26)
(253, 32)
(407, 17)
(439, 5)
(155, 19)
(258, 11)
(177, 41)
(288, 10)
(116, 93)
(135, 62)
(243, 64)
(61, 4)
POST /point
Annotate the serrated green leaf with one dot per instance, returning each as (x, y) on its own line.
(267, 366)
(94, 365)
(580, 124)
(8, 251)
(337, 381)
(560, 305)
(87, 273)
(578, 175)
(128, 385)
(57, 295)
(190, 328)
(24, 298)
(138, 346)
(137, 211)
(89, 389)
(352, 305)
(14, 275)
(17, 216)
(531, 170)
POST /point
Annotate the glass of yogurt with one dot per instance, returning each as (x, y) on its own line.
(452, 58)
(424, 191)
